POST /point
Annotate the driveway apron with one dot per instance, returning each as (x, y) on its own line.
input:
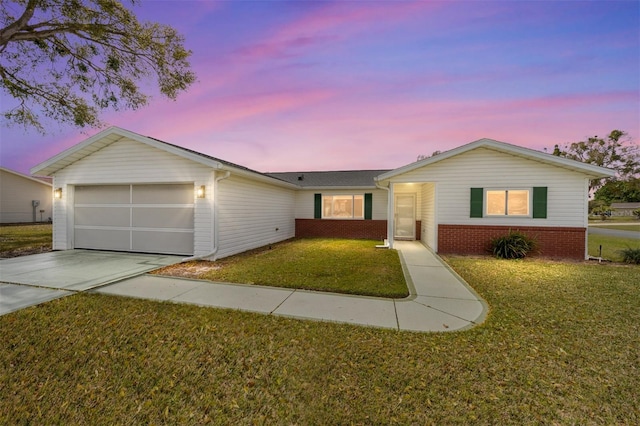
(30, 280)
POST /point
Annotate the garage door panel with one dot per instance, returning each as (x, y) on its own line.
(102, 216)
(163, 194)
(102, 239)
(156, 218)
(149, 217)
(111, 194)
(163, 242)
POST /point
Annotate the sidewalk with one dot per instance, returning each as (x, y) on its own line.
(439, 299)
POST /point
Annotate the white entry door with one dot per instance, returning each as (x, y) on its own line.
(137, 218)
(405, 217)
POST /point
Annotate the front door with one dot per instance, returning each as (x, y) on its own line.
(405, 217)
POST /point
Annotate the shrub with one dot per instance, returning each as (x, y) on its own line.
(631, 255)
(515, 245)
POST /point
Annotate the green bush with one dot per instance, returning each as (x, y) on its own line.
(631, 255)
(515, 245)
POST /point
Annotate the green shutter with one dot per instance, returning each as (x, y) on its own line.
(368, 206)
(540, 202)
(476, 202)
(317, 206)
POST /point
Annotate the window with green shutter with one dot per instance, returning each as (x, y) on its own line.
(343, 206)
(509, 202)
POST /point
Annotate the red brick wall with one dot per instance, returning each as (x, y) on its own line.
(552, 242)
(337, 228)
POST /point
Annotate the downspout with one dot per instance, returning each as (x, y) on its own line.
(214, 220)
(386, 242)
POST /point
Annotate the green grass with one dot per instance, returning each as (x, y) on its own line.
(335, 265)
(635, 227)
(560, 346)
(24, 239)
(611, 246)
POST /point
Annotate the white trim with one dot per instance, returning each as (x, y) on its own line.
(412, 237)
(485, 203)
(435, 217)
(390, 214)
(114, 134)
(22, 175)
(353, 202)
(586, 219)
(589, 169)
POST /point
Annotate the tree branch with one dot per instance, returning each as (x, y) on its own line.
(7, 33)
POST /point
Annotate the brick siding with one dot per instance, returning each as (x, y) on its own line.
(559, 242)
(337, 228)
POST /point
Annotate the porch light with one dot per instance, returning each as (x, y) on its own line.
(200, 193)
(57, 193)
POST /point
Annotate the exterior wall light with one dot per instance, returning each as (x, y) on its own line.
(200, 192)
(57, 193)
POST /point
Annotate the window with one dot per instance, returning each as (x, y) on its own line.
(343, 206)
(511, 202)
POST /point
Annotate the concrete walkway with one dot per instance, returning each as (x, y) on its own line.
(439, 301)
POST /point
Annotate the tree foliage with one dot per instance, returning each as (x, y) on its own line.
(70, 59)
(616, 151)
(623, 191)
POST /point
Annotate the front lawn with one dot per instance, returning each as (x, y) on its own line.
(337, 265)
(20, 240)
(611, 246)
(560, 346)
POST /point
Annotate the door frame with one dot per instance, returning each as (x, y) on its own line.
(395, 216)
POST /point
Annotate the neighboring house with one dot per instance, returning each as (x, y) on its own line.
(122, 191)
(24, 198)
(624, 209)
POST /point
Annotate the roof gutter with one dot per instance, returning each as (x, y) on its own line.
(214, 222)
(386, 188)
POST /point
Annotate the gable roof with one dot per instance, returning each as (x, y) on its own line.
(590, 170)
(22, 175)
(114, 134)
(331, 179)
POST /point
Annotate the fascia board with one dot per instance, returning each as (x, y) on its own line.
(22, 175)
(588, 169)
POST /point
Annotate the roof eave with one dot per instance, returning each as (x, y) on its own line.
(22, 175)
(594, 172)
(56, 163)
(330, 187)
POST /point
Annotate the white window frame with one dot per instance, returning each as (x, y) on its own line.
(332, 216)
(506, 212)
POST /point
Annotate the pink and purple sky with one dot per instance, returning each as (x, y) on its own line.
(306, 85)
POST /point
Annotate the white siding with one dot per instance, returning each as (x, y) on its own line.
(128, 161)
(428, 233)
(485, 168)
(252, 214)
(16, 195)
(305, 201)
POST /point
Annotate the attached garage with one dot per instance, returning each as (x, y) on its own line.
(151, 218)
(122, 191)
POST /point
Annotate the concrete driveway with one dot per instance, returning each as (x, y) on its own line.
(30, 280)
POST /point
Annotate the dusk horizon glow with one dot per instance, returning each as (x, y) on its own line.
(311, 86)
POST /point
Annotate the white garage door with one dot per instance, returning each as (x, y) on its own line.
(136, 218)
